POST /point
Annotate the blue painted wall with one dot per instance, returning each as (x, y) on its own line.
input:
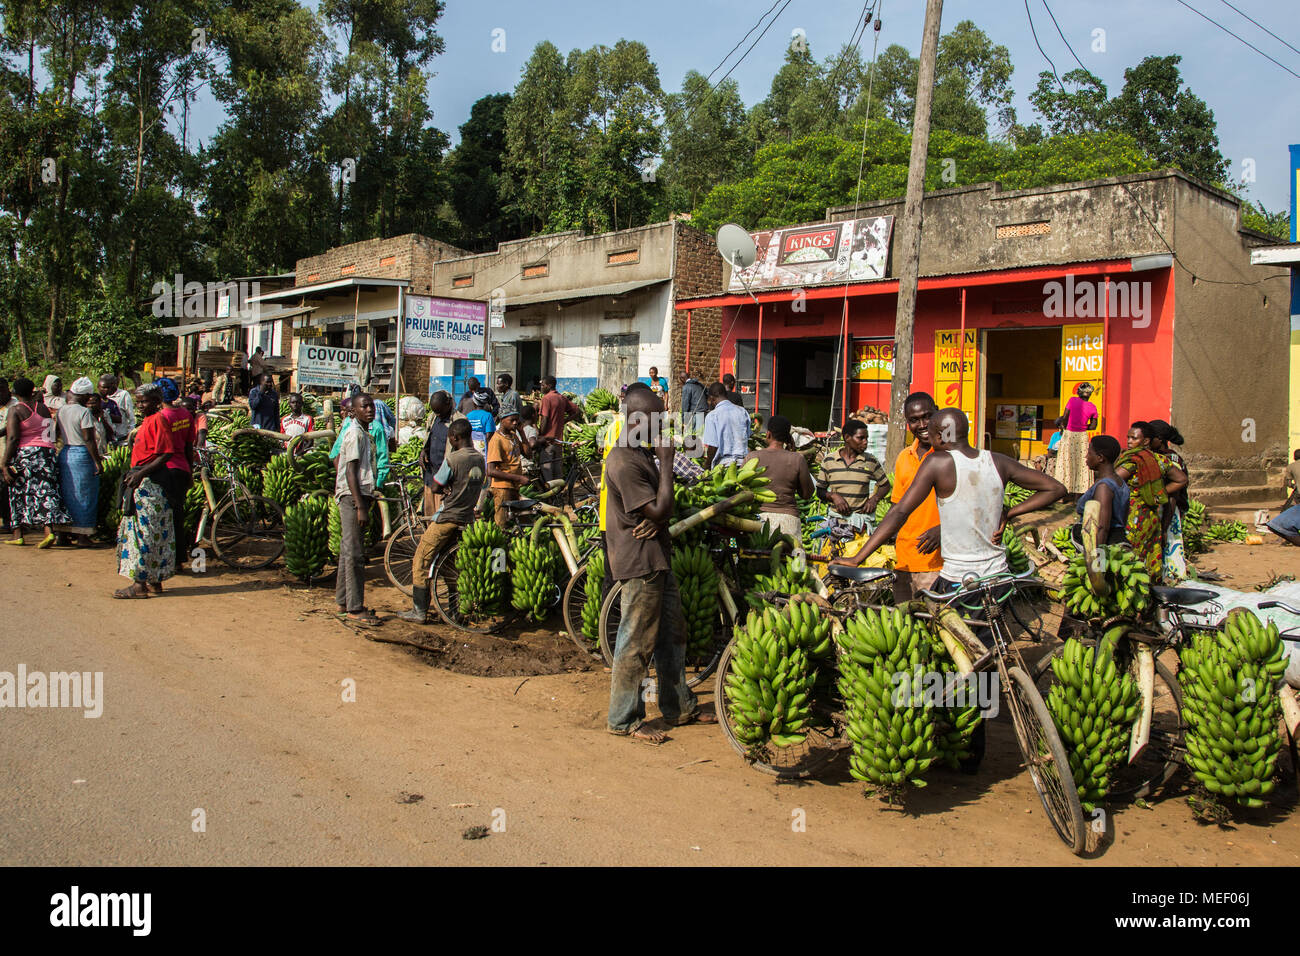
(580, 386)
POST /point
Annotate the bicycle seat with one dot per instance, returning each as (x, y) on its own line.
(520, 504)
(1187, 597)
(858, 575)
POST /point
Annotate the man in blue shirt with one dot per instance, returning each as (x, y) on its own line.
(264, 405)
(726, 430)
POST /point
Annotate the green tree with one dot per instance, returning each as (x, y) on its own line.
(1167, 120)
(1083, 109)
(540, 144)
(474, 171)
(771, 120)
(112, 335)
(708, 140)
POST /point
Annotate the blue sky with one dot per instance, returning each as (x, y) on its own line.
(1256, 103)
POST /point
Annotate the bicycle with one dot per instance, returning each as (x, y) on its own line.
(408, 527)
(1044, 754)
(444, 595)
(581, 478)
(247, 530)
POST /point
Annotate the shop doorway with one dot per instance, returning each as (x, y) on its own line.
(530, 365)
(1022, 390)
(805, 374)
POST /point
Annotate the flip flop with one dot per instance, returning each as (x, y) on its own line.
(368, 619)
(129, 593)
(699, 717)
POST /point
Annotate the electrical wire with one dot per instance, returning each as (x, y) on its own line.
(1234, 36)
(1034, 33)
(1063, 39)
(740, 41)
(1261, 26)
(769, 26)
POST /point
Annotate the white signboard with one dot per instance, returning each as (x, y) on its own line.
(328, 366)
(444, 328)
(497, 314)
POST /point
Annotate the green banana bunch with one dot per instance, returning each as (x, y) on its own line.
(221, 427)
(1227, 531)
(116, 464)
(584, 436)
(769, 683)
(592, 597)
(891, 730)
(405, 453)
(1062, 540)
(251, 476)
(697, 580)
(1013, 494)
(1128, 580)
(334, 538)
(315, 472)
(722, 483)
(882, 509)
(956, 719)
(306, 536)
(1017, 559)
(1230, 702)
(534, 561)
(1195, 517)
(782, 578)
(600, 400)
(280, 481)
(480, 585)
(1093, 704)
(195, 499)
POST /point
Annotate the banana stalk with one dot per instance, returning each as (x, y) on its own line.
(560, 542)
(961, 660)
(949, 619)
(1290, 710)
(1092, 534)
(1144, 665)
(714, 510)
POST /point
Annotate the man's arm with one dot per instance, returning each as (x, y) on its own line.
(661, 509)
(921, 486)
(1047, 489)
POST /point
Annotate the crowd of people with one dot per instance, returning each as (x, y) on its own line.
(946, 521)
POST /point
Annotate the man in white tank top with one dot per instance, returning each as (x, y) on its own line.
(968, 487)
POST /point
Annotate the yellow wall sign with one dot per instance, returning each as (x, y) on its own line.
(956, 372)
(1082, 360)
(873, 361)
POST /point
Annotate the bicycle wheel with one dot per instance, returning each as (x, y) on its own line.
(248, 532)
(575, 599)
(1046, 760)
(444, 596)
(1156, 765)
(796, 762)
(399, 555)
(698, 667)
(584, 481)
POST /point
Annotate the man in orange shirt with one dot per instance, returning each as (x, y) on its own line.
(918, 560)
(505, 467)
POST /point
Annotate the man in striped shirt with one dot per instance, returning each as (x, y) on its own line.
(848, 475)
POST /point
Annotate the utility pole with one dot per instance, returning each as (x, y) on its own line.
(909, 236)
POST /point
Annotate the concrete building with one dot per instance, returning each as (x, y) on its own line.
(590, 310)
(216, 322)
(1142, 284)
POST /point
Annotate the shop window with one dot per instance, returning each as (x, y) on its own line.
(627, 257)
(538, 271)
(1021, 229)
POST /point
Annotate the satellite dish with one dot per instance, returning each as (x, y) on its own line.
(736, 246)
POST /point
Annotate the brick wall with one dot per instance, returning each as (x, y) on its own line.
(401, 257)
(697, 270)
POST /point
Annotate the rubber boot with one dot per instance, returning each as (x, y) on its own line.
(420, 603)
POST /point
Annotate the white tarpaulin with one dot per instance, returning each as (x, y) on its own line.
(1212, 614)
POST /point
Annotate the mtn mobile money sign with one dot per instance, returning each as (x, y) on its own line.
(444, 328)
(328, 367)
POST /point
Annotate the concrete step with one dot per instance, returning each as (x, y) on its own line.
(1234, 477)
(1265, 495)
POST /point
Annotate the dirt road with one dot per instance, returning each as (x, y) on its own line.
(226, 696)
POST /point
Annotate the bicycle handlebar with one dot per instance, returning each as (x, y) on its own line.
(1280, 605)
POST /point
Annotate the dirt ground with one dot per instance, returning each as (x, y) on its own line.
(224, 694)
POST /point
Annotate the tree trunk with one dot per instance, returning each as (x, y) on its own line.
(131, 278)
(55, 322)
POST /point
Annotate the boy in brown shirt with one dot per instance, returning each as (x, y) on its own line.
(505, 465)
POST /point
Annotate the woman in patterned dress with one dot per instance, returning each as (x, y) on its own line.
(145, 539)
(31, 466)
(1152, 478)
(1163, 437)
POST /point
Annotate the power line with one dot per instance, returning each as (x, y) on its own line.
(1234, 36)
(1262, 27)
(1063, 39)
(755, 43)
(740, 41)
(1041, 50)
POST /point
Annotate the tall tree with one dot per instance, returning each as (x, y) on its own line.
(771, 119)
(1167, 120)
(474, 171)
(1082, 107)
(707, 140)
(540, 144)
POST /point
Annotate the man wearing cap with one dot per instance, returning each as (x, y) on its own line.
(505, 466)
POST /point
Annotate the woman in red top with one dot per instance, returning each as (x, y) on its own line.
(147, 535)
(1078, 418)
(31, 466)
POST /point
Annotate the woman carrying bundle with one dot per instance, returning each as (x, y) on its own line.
(146, 536)
(1151, 478)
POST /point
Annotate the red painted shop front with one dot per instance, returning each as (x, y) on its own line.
(1007, 347)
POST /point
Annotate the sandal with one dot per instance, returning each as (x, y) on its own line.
(699, 717)
(129, 593)
(367, 618)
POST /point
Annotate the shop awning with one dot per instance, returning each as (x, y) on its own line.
(591, 292)
(335, 287)
(890, 286)
(1281, 255)
(230, 322)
